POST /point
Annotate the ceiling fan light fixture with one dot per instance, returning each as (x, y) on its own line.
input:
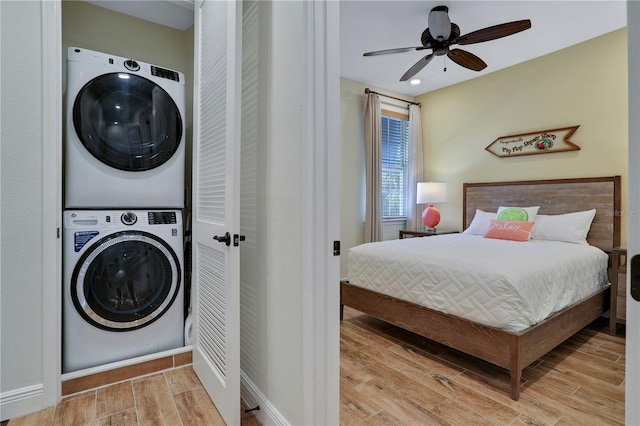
(441, 35)
(439, 23)
(415, 81)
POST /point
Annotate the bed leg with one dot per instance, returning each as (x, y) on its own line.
(515, 369)
(515, 384)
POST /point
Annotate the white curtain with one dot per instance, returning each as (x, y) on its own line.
(414, 168)
(373, 153)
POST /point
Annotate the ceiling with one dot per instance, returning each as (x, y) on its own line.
(375, 25)
(176, 14)
(367, 25)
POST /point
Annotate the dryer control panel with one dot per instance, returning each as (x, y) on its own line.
(162, 218)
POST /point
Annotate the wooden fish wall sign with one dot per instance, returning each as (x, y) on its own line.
(541, 142)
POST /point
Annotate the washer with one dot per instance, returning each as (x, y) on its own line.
(123, 291)
(124, 133)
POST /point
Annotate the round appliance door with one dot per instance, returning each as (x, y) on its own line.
(125, 281)
(127, 122)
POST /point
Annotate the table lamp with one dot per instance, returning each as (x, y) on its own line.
(431, 193)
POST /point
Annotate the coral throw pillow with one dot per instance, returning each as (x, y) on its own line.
(509, 230)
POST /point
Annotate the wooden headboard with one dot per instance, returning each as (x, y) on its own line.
(554, 196)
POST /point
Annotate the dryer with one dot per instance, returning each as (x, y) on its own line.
(124, 133)
(123, 290)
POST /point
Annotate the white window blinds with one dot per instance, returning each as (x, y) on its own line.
(395, 144)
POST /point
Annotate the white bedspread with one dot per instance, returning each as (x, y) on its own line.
(504, 284)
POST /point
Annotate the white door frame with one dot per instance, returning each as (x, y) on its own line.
(321, 269)
(632, 379)
(52, 200)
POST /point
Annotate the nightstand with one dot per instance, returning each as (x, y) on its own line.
(404, 233)
(618, 289)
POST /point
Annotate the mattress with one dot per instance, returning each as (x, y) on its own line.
(505, 284)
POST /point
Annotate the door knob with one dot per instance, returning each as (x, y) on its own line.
(226, 238)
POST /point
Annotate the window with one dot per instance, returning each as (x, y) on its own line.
(395, 147)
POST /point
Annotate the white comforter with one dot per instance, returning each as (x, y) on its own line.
(504, 284)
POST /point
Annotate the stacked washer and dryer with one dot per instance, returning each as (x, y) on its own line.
(123, 280)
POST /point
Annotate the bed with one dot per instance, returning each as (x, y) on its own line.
(509, 345)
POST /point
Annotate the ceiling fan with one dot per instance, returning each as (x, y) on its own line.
(442, 34)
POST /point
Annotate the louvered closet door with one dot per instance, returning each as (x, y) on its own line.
(216, 183)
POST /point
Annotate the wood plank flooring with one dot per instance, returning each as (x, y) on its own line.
(389, 376)
(172, 398)
(392, 377)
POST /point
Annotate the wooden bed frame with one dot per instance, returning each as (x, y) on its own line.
(510, 350)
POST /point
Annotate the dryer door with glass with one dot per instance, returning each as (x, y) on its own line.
(125, 281)
(127, 122)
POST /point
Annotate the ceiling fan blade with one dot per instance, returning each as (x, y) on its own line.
(398, 50)
(415, 69)
(494, 32)
(466, 59)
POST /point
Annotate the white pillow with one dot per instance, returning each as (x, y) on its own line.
(480, 223)
(517, 214)
(569, 227)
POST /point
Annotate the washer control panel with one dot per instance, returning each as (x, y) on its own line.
(92, 220)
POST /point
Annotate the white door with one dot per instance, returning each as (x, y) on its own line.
(216, 183)
(633, 307)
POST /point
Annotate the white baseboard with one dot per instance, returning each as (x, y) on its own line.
(20, 402)
(268, 414)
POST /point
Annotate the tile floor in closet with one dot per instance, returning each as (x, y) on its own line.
(172, 398)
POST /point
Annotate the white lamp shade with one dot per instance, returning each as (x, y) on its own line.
(431, 192)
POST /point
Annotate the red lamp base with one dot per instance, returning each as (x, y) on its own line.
(430, 218)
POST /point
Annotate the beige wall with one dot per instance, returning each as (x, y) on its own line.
(96, 28)
(352, 167)
(582, 85)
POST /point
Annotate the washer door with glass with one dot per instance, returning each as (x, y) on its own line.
(125, 281)
(127, 122)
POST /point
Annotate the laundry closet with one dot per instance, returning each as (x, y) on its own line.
(127, 137)
(282, 324)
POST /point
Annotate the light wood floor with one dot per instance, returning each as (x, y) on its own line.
(393, 377)
(172, 398)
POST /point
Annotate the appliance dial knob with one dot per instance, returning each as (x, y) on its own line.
(131, 65)
(129, 218)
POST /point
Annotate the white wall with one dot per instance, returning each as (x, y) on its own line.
(21, 193)
(271, 204)
(281, 287)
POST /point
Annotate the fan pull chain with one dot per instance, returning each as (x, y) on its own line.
(445, 63)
